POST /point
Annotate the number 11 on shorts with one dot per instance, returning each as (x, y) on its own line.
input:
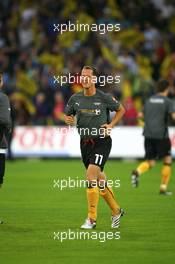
(98, 159)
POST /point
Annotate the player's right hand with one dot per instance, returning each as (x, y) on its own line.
(70, 120)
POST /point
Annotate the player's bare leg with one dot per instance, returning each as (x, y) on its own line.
(142, 168)
(166, 173)
(92, 196)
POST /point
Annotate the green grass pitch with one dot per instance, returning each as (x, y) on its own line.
(33, 210)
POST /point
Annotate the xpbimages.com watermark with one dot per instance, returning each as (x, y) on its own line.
(101, 132)
(62, 184)
(85, 27)
(101, 80)
(84, 235)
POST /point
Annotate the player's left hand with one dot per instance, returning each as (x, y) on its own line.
(107, 129)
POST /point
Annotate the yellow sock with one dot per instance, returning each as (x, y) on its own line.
(166, 173)
(108, 195)
(92, 197)
(143, 167)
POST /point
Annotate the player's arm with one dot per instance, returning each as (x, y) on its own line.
(140, 118)
(115, 120)
(1, 80)
(114, 106)
(70, 112)
(173, 116)
(5, 119)
(118, 116)
(171, 108)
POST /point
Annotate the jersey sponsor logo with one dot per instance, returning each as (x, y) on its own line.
(156, 100)
(91, 111)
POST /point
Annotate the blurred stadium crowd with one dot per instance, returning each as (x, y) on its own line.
(31, 53)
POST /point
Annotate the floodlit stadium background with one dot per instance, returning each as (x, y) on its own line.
(31, 53)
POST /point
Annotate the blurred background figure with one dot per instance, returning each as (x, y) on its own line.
(11, 134)
(42, 109)
(31, 52)
(130, 117)
(58, 110)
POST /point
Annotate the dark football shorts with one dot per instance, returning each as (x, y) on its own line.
(157, 148)
(95, 151)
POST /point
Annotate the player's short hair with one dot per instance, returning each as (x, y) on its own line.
(93, 69)
(162, 85)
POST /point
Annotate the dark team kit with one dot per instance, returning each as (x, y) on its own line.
(92, 112)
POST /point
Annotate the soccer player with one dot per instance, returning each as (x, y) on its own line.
(91, 108)
(157, 144)
(5, 123)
